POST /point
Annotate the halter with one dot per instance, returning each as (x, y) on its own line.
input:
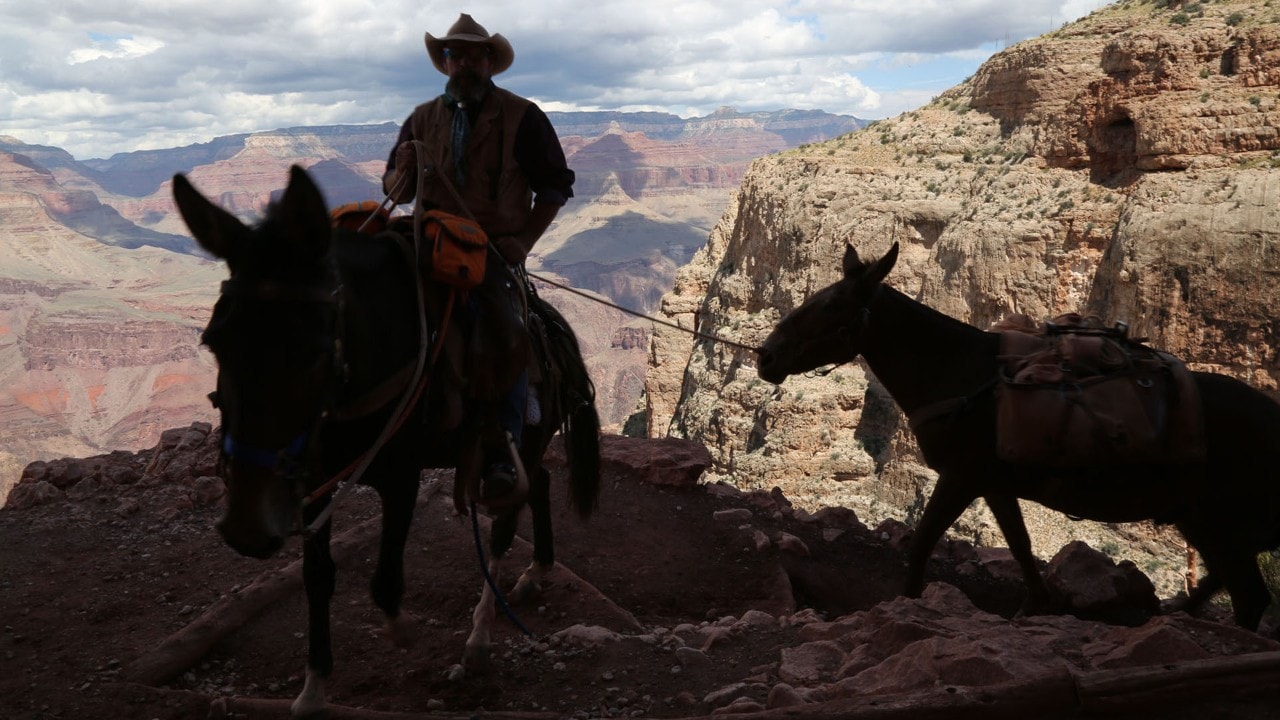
(291, 460)
(847, 333)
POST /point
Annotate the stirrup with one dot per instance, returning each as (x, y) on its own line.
(520, 489)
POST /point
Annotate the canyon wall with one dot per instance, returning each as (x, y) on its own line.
(1126, 165)
(103, 294)
(99, 343)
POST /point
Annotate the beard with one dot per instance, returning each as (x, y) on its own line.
(467, 87)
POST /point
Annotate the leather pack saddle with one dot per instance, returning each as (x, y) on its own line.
(486, 344)
(1072, 393)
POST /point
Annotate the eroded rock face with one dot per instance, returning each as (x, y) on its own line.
(1121, 166)
(182, 464)
(100, 349)
(99, 344)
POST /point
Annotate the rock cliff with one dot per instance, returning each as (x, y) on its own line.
(99, 345)
(1124, 165)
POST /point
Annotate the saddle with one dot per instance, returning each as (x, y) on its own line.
(1072, 393)
(483, 307)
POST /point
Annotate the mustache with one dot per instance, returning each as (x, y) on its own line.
(467, 85)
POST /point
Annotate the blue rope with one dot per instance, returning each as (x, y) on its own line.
(484, 570)
(266, 459)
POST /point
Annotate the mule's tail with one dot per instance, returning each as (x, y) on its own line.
(575, 396)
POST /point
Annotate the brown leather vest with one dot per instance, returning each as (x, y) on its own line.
(495, 190)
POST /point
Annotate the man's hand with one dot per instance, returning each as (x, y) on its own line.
(406, 157)
(513, 248)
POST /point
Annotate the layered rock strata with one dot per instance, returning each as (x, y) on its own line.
(1124, 166)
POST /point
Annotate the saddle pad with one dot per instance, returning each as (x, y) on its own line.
(353, 216)
(1076, 400)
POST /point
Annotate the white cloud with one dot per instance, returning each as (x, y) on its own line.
(122, 48)
(104, 76)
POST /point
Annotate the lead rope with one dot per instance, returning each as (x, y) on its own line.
(417, 233)
(413, 390)
(695, 333)
(498, 595)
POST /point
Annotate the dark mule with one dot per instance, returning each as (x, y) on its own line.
(317, 335)
(1227, 508)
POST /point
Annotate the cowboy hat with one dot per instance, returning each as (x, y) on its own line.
(468, 30)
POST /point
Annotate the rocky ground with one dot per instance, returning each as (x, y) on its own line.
(675, 600)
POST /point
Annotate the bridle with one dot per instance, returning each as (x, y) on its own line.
(295, 459)
(849, 334)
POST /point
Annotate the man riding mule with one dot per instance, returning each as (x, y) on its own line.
(325, 340)
(483, 153)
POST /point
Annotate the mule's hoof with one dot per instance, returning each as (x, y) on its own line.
(401, 631)
(502, 487)
(310, 703)
(306, 709)
(524, 592)
(475, 659)
(455, 673)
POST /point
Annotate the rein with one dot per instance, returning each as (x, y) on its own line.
(350, 475)
(461, 204)
(695, 333)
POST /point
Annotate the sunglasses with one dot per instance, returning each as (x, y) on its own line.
(472, 52)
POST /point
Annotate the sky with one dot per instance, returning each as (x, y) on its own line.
(98, 77)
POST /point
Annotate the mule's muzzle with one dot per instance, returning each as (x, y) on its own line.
(262, 511)
(769, 368)
(259, 545)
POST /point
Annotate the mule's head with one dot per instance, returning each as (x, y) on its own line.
(274, 332)
(829, 327)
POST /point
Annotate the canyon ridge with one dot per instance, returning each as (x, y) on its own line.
(103, 294)
(1126, 166)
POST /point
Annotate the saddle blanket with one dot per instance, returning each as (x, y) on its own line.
(1073, 394)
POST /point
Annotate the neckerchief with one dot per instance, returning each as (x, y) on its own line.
(464, 114)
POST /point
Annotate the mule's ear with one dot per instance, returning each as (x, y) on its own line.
(307, 225)
(880, 268)
(851, 262)
(215, 229)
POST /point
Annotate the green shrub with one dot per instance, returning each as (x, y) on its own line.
(1269, 564)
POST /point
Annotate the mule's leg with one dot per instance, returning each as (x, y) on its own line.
(544, 555)
(318, 574)
(475, 655)
(1208, 586)
(502, 534)
(387, 585)
(1236, 568)
(466, 476)
(1009, 518)
(944, 506)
